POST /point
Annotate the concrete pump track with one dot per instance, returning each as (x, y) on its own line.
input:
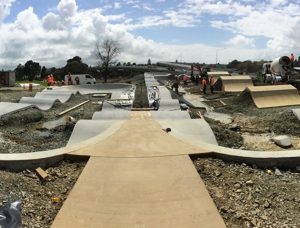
(139, 173)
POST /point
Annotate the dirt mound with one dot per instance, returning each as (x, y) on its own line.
(30, 115)
(224, 136)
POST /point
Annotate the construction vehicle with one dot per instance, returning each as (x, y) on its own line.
(279, 70)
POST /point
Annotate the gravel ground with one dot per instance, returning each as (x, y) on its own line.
(21, 132)
(36, 195)
(250, 197)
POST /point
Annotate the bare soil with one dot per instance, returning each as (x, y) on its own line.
(255, 126)
(21, 132)
(250, 197)
(36, 195)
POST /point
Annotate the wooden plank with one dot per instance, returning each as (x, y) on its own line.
(41, 173)
(74, 107)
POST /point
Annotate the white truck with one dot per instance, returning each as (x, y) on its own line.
(82, 79)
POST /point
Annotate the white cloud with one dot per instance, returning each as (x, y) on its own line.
(241, 41)
(117, 5)
(68, 31)
(5, 6)
(67, 8)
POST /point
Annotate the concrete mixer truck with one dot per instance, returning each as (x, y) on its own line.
(279, 70)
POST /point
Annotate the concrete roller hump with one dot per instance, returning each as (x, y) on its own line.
(40, 103)
(8, 107)
(157, 115)
(62, 97)
(118, 114)
(236, 83)
(119, 88)
(86, 129)
(169, 105)
(192, 131)
(274, 95)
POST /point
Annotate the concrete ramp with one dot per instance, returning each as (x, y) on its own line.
(43, 104)
(8, 107)
(191, 131)
(169, 105)
(86, 129)
(274, 96)
(236, 83)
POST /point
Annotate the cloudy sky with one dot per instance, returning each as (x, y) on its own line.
(51, 31)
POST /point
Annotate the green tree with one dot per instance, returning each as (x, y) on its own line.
(20, 72)
(43, 72)
(32, 69)
(75, 66)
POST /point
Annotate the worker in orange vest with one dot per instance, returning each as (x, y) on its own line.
(204, 83)
(211, 84)
(49, 80)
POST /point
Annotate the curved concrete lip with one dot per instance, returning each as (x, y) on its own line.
(95, 144)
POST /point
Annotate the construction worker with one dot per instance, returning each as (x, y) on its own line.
(211, 84)
(49, 80)
(292, 58)
(175, 84)
(52, 79)
(70, 82)
(77, 80)
(204, 83)
(185, 79)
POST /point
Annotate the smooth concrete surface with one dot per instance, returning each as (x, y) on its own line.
(164, 93)
(157, 115)
(62, 97)
(8, 107)
(194, 100)
(169, 105)
(40, 103)
(120, 114)
(143, 137)
(236, 83)
(140, 136)
(296, 112)
(85, 129)
(139, 192)
(190, 131)
(274, 95)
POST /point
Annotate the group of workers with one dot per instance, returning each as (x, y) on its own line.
(205, 82)
(51, 81)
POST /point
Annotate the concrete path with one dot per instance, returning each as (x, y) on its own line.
(137, 176)
(139, 192)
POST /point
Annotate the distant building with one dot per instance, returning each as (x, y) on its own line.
(7, 78)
